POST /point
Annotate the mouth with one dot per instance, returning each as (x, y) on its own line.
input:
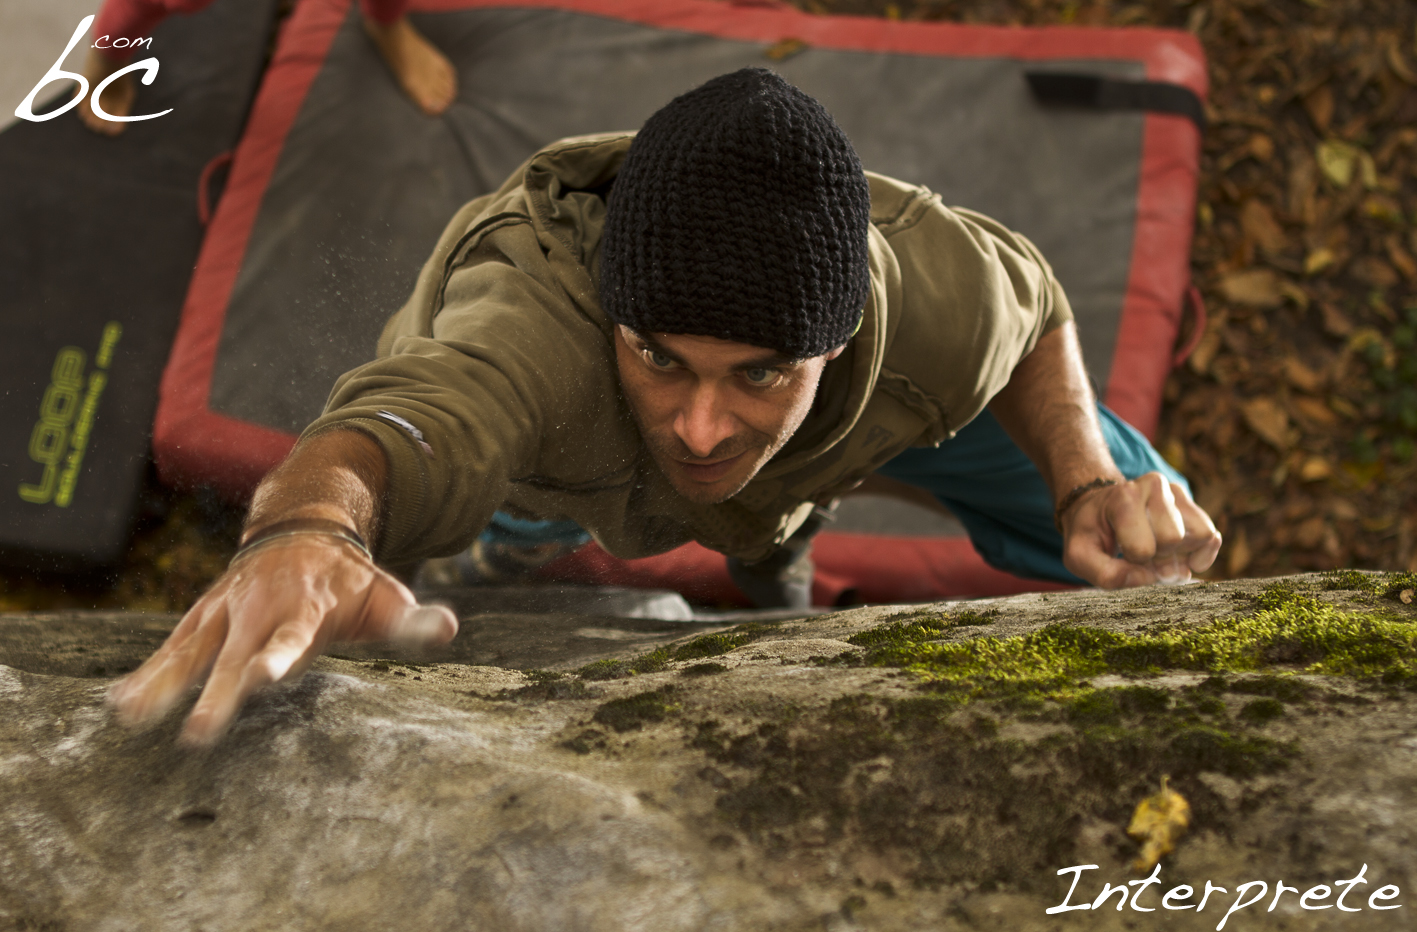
(709, 472)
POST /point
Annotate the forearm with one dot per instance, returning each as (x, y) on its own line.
(338, 475)
(1048, 409)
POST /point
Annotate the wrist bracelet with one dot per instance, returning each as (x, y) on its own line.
(1072, 498)
(298, 526)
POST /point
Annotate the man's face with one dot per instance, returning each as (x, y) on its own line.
(711, 411)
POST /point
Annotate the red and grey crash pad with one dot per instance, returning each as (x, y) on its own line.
(340, 186)
(98, 237)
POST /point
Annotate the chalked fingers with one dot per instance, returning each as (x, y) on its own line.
(244, 664)
(152, 689)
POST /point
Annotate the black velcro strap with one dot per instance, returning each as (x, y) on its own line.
(1095, 92)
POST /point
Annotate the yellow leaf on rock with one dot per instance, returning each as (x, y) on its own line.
(1158, 823)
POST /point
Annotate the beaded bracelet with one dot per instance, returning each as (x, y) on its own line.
(1072, 497)
(297, 526)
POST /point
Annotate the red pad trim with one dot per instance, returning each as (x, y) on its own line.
(871, 569)
(192, 444)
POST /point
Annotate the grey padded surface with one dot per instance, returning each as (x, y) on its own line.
(365, 183)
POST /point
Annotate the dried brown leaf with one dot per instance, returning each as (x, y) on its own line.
(1268, 419)
(1335, 322)
(1239, 555)
(1259, 226)
(1204, 353)
(1383, 208)
(1374, 272)
(1318, 103)
(1344, 408)
(1397, 62)
(1401, 259)
(1311, 533)
(1314, 411)
(1338, 160)
(1301, 376)
(1252, 288)
(1406, 596)
(1158, 823)
(1174, 452)
(1318, 260)
(1315, 468)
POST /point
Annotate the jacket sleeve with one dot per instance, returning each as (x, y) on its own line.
(460, 398)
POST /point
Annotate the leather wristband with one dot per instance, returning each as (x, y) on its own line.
(1075, 495)
(299, 526)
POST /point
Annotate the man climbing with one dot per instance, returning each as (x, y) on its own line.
(423, 72)
(706, 331)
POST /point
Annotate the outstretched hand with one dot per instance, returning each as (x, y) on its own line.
(1139, 532)
(267, 619)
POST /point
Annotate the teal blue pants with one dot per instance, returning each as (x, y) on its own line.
(979, 474)
(1000, 497)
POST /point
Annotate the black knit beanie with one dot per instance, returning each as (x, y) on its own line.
(741, 212)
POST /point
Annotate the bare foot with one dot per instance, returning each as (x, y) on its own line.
(117, 98)
(424, 73)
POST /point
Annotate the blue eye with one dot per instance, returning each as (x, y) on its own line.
(760, 376)
(659, 360)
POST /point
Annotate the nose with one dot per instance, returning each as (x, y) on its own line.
(703, 422)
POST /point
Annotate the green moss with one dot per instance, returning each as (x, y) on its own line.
(709, 645)
(703, 669)
(1387, 585)
(1283, 688)
(924, 627)
(915, 777)
(1277, 595)
(1111, 705)
(630, 713)
(588, 740)
(1394, 584)
(652, 662)
(1290, 629)
(712, 645)
(1264, 710)
(1350, 581)
(1207, 705)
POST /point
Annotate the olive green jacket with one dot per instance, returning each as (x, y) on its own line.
(503, 362)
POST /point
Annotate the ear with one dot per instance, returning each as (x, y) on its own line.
(835, 353)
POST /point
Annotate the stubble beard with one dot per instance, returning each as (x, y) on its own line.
(669, 450)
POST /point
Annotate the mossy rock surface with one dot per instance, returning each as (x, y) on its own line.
(880, 768)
